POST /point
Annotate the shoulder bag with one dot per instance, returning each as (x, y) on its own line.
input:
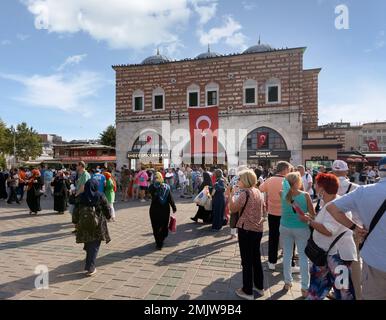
(236, 216)
(316, 254)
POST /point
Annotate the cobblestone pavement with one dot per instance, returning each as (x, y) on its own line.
(195, 263)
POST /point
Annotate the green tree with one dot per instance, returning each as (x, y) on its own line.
(108, 136)
(5, 139)
(28, 142)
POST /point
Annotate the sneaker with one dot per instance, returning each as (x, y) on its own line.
(259, 291)
(91, 273)
(295, 269)
(241, 294)
(271, 266)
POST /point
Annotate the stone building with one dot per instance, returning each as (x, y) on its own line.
(261, 92)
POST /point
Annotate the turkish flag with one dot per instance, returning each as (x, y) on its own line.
(204, 125)
(373, 145)
(262, 140)
(91, 153)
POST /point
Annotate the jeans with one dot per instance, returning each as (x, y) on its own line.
(20, 191)
(92, 249)
(274, 236)
(249, 243)
(48, 188)
(298, 236)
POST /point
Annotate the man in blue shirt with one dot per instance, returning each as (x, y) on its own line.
(48, 176)
(98, 176)
(364, 203)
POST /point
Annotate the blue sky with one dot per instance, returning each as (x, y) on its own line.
(56, 56)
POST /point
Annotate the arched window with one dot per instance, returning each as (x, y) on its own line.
(250, 92)
(263, 139)
(273, 91)
(152, 140)
(158, 99)
(138, 101)
(193, 96)
(212, 94)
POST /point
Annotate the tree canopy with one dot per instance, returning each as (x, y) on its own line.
(108, 136)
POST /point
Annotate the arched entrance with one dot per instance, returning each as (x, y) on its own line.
(149, 150)
(265, 147)
(218, 160)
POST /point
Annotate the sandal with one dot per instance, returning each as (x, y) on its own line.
(287, 287)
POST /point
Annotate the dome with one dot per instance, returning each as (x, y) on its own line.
(208, 54)
(259, 48)
(157, 59)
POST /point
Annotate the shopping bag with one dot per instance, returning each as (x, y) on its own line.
(202, 197)
(208, 204)
(173, 224)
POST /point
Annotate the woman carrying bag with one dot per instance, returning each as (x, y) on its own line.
(250, 220)
(161, 202)
(202, 213)
(331, 247)
(91, 213)
(34, 192)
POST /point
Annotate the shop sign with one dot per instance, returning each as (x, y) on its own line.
(319, 158)
(147, 155)
(269, 155)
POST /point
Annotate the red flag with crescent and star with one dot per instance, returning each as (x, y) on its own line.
(373, 145)
(204, 125)
(262, 141)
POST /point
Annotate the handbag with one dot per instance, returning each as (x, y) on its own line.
(173, 224)
(316, 254)
(234, 219)
(201, 198)
(374, 222)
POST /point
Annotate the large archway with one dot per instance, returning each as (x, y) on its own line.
(208, 159)
(265, 147)
(149, 150)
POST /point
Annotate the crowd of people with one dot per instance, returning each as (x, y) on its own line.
(329, 229)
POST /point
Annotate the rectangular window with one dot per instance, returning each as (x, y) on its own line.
(250, 96)
(273, 94)
(212, 98)
(138, 104)
(158, 102)
(193, 99)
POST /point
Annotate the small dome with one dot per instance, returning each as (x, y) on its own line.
(157, 59)
(259, 48)
(208, 54)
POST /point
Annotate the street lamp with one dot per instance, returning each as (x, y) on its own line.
(13, 130)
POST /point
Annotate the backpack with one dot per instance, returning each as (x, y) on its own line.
(88, 220)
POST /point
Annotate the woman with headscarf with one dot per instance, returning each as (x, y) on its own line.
(110, 190)
(3, 185)
(61, 187)
(218, 202)
(35, 184)
(161, 202)
(90, 215)
(202, 213)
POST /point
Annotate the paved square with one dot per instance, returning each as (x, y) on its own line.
(194, 264)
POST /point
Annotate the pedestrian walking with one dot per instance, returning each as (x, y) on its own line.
(110, 190)
(61, 188)
(90, 215)
(13, 182)
(34, 192)
(205, 215)
(161, 201)
(218, 204)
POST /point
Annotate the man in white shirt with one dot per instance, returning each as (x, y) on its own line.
(307, 180)
(364, 203)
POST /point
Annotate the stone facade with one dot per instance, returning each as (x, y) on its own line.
(296, 111)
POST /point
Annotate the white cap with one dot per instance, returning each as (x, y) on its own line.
(339, 166)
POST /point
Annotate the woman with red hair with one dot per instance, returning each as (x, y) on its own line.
(110, 190)
(35, 184)
(336, 273)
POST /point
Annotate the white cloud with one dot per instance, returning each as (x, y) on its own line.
(380, 42)
(249, 6)
(22, 37)
(366, 103)
(230, 32)
(58, 91)
(5, 42)
(72, 60)
(206, 9)
(121, 23)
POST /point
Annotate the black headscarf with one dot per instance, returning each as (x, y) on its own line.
(207, 181)
(91, 196)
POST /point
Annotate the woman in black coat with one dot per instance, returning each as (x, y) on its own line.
(61, 187)
(202, 213)
(35, 184)
(91, 213)
(161, 202)
(3, 185)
